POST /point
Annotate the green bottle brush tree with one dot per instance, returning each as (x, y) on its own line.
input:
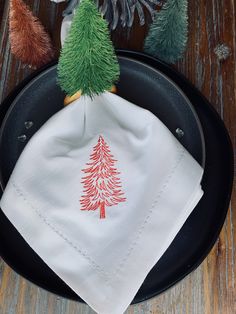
(167, 37)
(87, 61)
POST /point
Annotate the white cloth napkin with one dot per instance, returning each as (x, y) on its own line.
(65, 27)
(99, 158)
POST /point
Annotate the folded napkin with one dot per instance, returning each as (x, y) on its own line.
(100, 192)
(65, 27)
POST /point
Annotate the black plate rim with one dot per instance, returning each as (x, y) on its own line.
(173, 73)
(184, 97)
(151, 60)
(5, 109)
(12, 106)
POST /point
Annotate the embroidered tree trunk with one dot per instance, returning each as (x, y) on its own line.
(102, 187)
(102, 210)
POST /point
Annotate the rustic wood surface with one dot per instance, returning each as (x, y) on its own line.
(211, 288)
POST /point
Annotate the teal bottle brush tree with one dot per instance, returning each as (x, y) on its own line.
(87, 62)
(167, 37)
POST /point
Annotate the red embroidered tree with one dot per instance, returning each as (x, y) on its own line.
(102, 187)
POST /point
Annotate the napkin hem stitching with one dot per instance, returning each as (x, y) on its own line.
(140, 230)
(104, 275)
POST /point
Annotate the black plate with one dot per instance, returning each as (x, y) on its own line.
(201, 229)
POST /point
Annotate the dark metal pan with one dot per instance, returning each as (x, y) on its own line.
(148, 83)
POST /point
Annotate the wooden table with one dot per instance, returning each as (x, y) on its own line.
(210, 289)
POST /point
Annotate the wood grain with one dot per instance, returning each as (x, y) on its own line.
(211, 288)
